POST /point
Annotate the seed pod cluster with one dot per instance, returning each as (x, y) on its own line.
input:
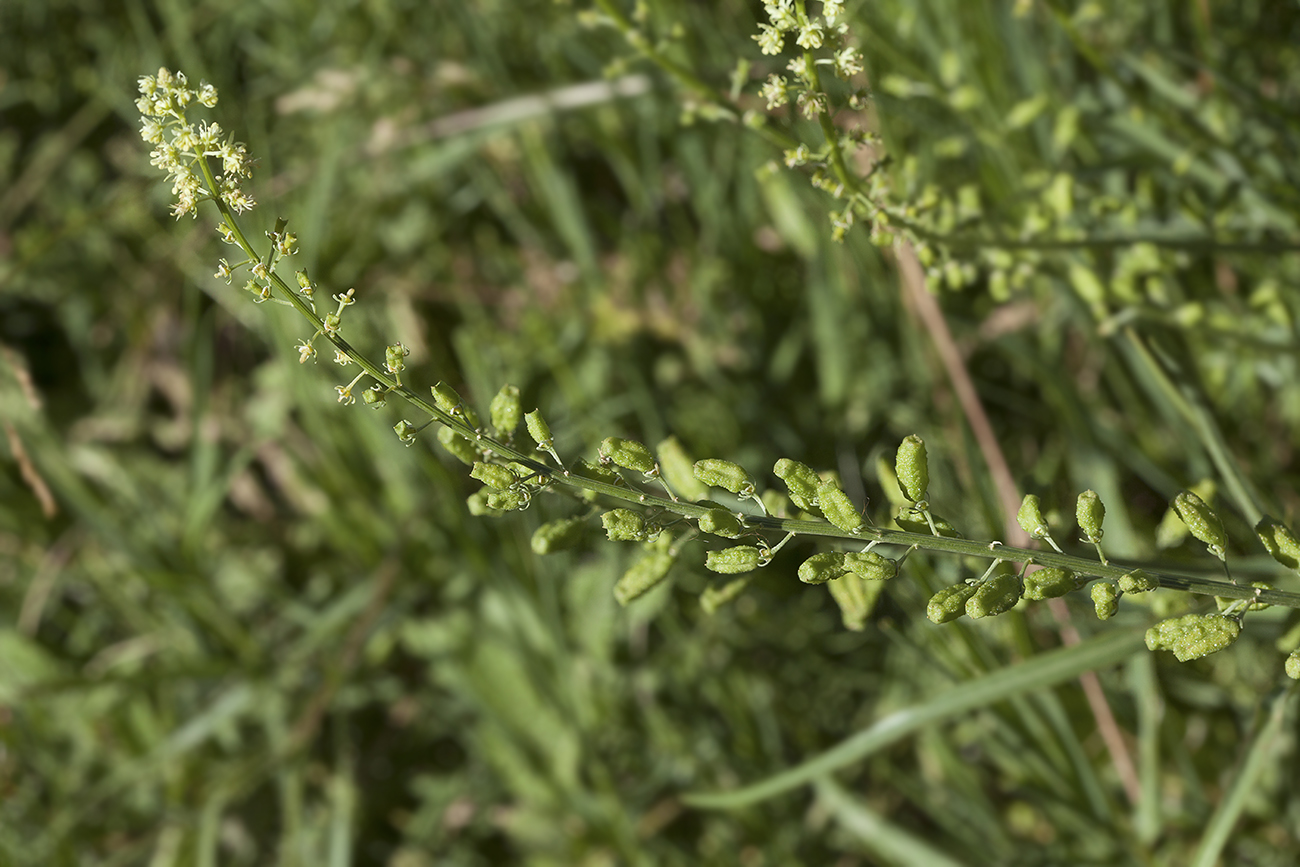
(997, 594)
(1049, 583)
(837, 507)
(1105, 599)
(506, 411)
(1138, 581)
(628, 454)
(720, 522)
(1203, 523)
(624, 525)
(823, 567)
(724, 474)
(733, 561)
(1090, 512)
(1030, 518)
(950, 602)
(539, 430)
(493, 475)
(1193, 635)
(800, 481)
(870, 566)
(1280, 542)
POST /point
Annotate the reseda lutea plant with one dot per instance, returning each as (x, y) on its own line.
(664, 496)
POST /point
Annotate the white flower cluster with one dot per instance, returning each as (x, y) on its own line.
(163, 101)
(810, 33)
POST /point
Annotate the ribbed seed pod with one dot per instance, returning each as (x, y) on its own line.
(1203, 523)
(733, 561)
(997, 594)
(1105, 599)
(459, 446)
(800, 481)
(1193, 635)
(644, 575)
(1048, 583)
(1137, 581)
(820, 568)
(912, 468)
(558, 535)
(724, 474)
(1090, 513)
(628, 454)
(870, 566)
(1280, 542)
(720, 522)
(506, 411)
(539, 430)
(493, 475)
(950, 602)
(837, 507)
(507, 501)
(624, 525)
(1030, 518)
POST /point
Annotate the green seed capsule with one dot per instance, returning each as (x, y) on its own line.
(506, 411)
(1193, 635)
(950, 602)
(493, 475)
(1048, 583)
(1030, 518)
(1202, 522)
(800, 481)
(1293, 665)
(459, 446)
(998, 594)
(1137, 581)
(558, 535)
(837, 507)
(1105, 599)
(539, 430)
(644, 575)
(624, 525)
(1280, 542)
(445, 397)
(912, 468)
(820, 568)
(507, 501)
(478, 504)
(720, 522)
(908, 521)
(1090, 513)
(724, 474)
(628, 454)
(733, 561)
(870, 566)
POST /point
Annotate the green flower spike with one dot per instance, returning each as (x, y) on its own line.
(1049, 583)
(624, 525)
(506, 411)
(997, 594)
(1030, 518)
(558, 535)
(1090, 512)
(1280, 542)
(800, 481)
(494, 476)
(733, 561)
(912, 468)
(950, 602)
(820, 568)
(870, 566)
(720, 522)
(628, 454)
(647, 572)
(1193, 635)
(1105, 599)
(1203, 523)
(458, 445)
(838, 508)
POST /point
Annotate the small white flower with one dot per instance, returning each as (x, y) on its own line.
(848, 61)
(810, 36)
(769, 39)
(207, 94)
(776, 90)
(305, 351)
(832, 9)
(782, 15)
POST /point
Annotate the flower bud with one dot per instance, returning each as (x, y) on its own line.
(870, 565)
(493, 475)
(1090, 513)
(1137, 581)
(644, 575)
(624, 525)
(507, 501)
(505, 411)
(720, 522)
(724, 474)
(820, 568)
(997, 594)
(1193, 635)
(1030, 518)
(912, 468)
(1048, 583)
(950, 602)
(628, 454)
(1202, 522)
(800, 481)
(837, 507)
(459, 446)
(732, 561)
(558, 535)
(539, 430)
(1280, 542)
(1105, 599)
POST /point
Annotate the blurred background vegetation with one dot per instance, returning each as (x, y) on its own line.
(242, 625)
